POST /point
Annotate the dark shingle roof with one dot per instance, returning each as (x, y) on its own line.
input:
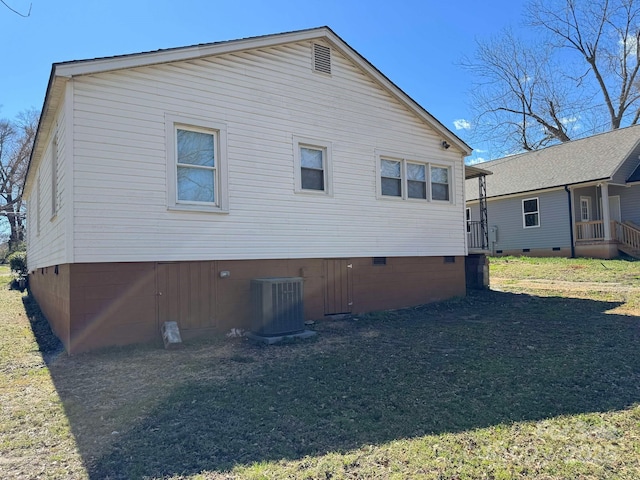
(588, 159)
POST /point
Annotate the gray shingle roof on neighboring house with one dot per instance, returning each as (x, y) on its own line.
(588, 159)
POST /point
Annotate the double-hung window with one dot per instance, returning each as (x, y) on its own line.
(312, 165)
(440, 183)
(412, 179)
(530, 213)
(391, 177)
(196, 165)
(416, 180)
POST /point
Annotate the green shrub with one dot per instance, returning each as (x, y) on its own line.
(18, 263)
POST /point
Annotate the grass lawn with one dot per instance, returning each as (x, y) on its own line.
(538, 378)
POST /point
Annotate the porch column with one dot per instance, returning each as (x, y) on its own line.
(604, 191)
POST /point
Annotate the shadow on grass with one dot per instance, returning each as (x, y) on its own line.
(49, 345)
(488, 359)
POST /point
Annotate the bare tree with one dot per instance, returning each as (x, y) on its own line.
(576, 75)
(16, 142)
(16, 11)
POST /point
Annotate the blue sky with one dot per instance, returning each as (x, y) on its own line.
(417, 44)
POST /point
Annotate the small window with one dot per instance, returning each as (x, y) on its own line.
(416, 180)
(440, 183)
(312, 168)
(530, 213)
(468, 217)
(379, 260)
(449, 259)
(312, 165)
(38, 196)
(196, 165)
(390, 173)
(54, 176)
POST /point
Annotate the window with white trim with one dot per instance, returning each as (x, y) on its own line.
(54, 176)
(530, 213)
(468, 218)
(312, 160)
(412, 179)
(196, 165)
(440, 183)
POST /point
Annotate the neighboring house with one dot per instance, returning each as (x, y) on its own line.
(580, 198)
(161, 183)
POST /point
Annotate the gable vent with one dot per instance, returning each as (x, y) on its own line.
(321, 58)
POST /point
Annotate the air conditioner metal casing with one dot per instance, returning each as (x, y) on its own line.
(277, 306)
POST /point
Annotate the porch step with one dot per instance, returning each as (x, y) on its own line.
(629, 251)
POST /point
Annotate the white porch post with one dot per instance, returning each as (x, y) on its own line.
(606, 220)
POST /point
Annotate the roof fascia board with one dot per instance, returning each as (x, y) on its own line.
(572, 186)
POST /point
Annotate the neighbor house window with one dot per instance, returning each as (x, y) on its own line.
(530, 213)
(312, 160)
(196, 165)
(412, 179)
(468, 218)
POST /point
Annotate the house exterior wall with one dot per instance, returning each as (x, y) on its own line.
(630, 203)
(101, 304)
(51, 287)
(46, 229)
(264, 98)
(514, 239)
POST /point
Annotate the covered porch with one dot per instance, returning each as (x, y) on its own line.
(476, 261)
(600, 229)
(478, 230)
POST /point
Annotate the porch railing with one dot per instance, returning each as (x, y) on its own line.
(627, 234)
(593, 230)
(477, 235)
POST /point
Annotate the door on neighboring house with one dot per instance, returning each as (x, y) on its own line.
(185, 294)
(614, 208)
(338, 289)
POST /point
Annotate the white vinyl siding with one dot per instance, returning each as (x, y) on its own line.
(47, 239)
(263, 97)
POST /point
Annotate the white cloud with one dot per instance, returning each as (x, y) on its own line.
(475, 160)
(462, 124)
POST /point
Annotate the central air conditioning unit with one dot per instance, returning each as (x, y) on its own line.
(277, 306)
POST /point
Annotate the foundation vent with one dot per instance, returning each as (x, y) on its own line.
(321, 58)
(277, 306)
